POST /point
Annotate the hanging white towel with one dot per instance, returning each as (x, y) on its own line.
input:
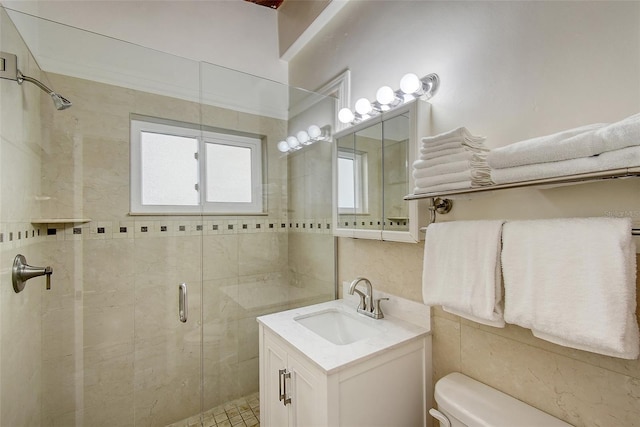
(623, 158)
(461, 269)
(572, 282)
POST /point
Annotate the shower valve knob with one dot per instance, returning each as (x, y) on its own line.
(22, 272)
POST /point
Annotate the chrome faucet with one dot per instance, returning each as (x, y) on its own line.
(368, 306)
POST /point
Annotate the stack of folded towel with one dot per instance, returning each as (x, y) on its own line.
(450, 161)
(585, 149)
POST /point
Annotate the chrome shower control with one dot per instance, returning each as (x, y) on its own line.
(22, 272)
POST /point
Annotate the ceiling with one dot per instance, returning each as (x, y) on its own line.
(273, 4)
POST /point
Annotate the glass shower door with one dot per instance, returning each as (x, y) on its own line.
(105, 345)
(273, 260)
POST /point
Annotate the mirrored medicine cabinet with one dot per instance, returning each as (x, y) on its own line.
(372, 175)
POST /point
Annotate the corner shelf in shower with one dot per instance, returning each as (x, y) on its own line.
(60, 220)
(555, 181)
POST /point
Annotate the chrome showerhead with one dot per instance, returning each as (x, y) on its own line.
(60, 101)
(9, 70)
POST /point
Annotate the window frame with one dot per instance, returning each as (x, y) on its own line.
(204, 137)
(360, 181)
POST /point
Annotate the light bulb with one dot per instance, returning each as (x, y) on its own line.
(385, 95)
(303, 137)
(410, 83)
(283, 146)
(345, 115)
(293, 143)
(314, 131)
(363, 106)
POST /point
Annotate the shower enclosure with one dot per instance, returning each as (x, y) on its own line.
(105, 346)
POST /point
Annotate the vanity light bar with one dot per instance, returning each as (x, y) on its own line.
(411, 87)
(303, 138)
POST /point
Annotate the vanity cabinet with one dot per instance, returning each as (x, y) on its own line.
(292, 388)
(385, 389)
(373, 173)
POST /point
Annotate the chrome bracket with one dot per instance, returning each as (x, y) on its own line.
(8, 66)
(430, 85)
(438, 205)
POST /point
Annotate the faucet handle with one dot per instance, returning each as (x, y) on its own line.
(48, 271)
(363, 300)
(377, 311)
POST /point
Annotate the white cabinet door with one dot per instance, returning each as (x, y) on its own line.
(304, 392)
(302, 385)
(274, 412)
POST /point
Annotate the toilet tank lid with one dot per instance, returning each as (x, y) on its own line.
(478, 405)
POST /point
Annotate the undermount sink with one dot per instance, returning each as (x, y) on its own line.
(337, 327)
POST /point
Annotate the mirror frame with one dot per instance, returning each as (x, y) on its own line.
(419, 113)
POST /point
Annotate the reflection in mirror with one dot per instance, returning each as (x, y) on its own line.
(396, 173)
(376, 156)
(347, 168)
(368, 146)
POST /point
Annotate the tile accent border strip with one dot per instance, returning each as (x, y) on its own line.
(19, 234)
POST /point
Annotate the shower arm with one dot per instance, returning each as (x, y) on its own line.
(22, 78)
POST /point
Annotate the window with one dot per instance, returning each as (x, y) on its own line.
(352, 183)
(182, 169)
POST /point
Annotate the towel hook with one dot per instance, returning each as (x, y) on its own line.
(438, 205)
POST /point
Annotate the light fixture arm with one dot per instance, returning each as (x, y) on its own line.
(430, 85)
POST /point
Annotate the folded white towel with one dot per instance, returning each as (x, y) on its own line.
(429, 142)
(572, 281)
(440, 169)
(461, 269)
(443, 154)
(548, 148)
(420, 164)
(615, 136)
(428, 149)
(583, 141)
(458, 133)
(447, 186)
(430, 181)
(437, 151)
(623, 158)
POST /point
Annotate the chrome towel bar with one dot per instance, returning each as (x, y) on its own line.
(634, 231)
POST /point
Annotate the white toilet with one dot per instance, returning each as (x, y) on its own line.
(465, 402)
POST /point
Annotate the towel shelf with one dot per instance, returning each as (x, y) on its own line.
(440, 204)
(570, 179)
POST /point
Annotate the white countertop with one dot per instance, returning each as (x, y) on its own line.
(332, 357)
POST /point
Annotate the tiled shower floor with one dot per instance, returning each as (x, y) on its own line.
(243, 412)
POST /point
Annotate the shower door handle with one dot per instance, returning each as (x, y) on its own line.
(182, 302)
